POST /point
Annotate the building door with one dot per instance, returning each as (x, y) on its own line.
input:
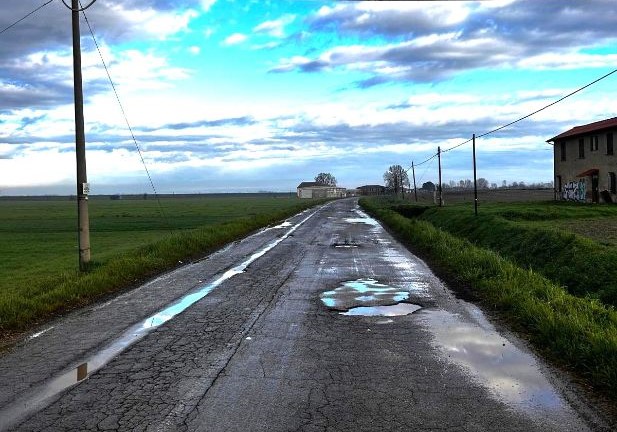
(595, 192)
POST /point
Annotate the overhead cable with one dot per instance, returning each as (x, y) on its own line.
(113, 86)
(26, 16)
(536, 111)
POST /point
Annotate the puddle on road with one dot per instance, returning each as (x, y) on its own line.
(362, 219)
(285, 224)
(511, 374)
(39, 396)
(368, 297)
(392, 310)
(362, 292)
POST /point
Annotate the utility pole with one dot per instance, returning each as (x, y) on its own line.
(413, 173)
(475, 182)
(80, 146)
(439, 186)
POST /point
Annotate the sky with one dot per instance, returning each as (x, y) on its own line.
(259, 95)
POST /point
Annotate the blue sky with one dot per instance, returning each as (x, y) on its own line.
(227, 96)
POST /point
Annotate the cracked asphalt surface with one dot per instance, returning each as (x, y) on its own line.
(262, 352)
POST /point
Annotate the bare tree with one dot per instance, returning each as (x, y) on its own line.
(326, 178)
(396, 179)
(482, 183)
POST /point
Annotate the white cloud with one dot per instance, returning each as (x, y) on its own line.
(275, 28)
(194, 50)
(568, 60)
(234, 39)
(155, 22)
(207, 4)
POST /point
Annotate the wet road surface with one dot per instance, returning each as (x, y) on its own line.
(323, 323)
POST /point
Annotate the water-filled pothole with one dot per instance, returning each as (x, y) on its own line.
(368, 297)
(345, 245)
(391, 310)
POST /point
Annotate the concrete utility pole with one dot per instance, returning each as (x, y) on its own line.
(80, 145)
(439, 186)
(475, 182)
(413, 172)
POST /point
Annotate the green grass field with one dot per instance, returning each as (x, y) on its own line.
(130, 239)
(571, 244)
(513, 257)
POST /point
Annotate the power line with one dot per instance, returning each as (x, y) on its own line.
(113, 86)
(26, 16)
(551, 104)
(536, 111)
(423, 162)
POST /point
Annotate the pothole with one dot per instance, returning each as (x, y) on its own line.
(368, 297)
(345, 245)
(391, 310)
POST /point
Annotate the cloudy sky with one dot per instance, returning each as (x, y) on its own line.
(250, 95)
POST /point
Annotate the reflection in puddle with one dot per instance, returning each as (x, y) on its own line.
(511, 374)
(285, 224)
(38, 396)
(362, 292)
(392, 310)
(37, 334)
(363, 219)
(368, 221)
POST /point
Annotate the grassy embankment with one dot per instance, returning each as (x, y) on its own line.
(130, 242)
(578, 332)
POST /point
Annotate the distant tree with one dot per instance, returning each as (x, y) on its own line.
(430, 186)
(326, 178)
(482, 183)
(493, 185)
(396, 179)
(504, 184)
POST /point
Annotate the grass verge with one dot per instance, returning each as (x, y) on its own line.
(578, 333)
(533, 236)
(23, 306)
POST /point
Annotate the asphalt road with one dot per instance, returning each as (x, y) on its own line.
(277, 334)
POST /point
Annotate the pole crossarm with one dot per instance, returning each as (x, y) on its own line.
(78, 9)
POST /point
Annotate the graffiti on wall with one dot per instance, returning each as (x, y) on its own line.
(575, 191)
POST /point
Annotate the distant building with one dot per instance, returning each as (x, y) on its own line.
(372, 190)
(319, 190)
(585, 163)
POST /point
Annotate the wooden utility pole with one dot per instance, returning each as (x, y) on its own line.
(475, 182)
(80, 146)
(439, 186)
(413, 173)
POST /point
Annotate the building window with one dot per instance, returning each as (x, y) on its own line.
(581, 148)
(609, 144)
(612, 182)
(593, 143)
(562, 146)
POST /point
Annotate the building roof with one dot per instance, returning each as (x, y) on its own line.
(312, 184)
(585, 129)
(370, 186)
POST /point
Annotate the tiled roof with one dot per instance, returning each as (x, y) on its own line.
(585, 129)
(312, 184)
